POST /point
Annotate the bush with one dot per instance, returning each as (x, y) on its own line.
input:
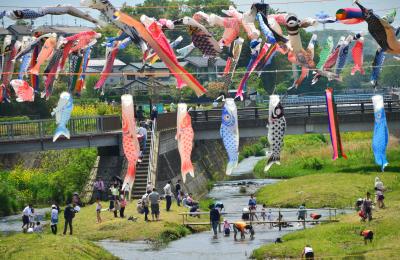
(264, 141)
(13, 118)
(313, 164)
(8, 204)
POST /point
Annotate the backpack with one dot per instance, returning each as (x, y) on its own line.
(139, 206)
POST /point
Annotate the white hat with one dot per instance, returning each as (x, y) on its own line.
(53, 206)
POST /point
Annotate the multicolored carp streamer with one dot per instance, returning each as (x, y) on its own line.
(357, 54)
(334, 126)
(381, 31)
(325, 52)
(377, 66)
(164, 56)
(380, 139)
(276, 130)
(54, 10)
(23, 91)
(229, 132)
(108, 10)
(130, 141)
(184, 137)
(81, 81)
(154, 29)
(63, 114)
(232, 62)
(111, 54)
(350, 15)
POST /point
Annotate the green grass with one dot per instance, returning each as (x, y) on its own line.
(81, 246)
(322, 190)
(49, 246)
(312, 154)
(339, 240)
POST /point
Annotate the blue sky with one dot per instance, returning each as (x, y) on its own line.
(300, 7)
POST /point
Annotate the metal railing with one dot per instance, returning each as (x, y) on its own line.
(153, 156)
(37, 129)
(329, 216)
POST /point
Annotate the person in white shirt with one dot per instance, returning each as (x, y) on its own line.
(54, 219)
(308, 253)
(142, 131)
(146, 204)
(379, 189)
(127, 190)
(25, 216)
(168, 194)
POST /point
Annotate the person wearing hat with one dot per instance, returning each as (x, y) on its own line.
(54, 219)
(379, 189)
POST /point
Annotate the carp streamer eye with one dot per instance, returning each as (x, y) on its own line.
(227, 117)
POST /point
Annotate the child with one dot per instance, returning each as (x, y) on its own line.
(368, 235)
(98, 210)
(227, 228)
(54, 219)
(123, 205)
(270, 218)
(263, 213)
(38, 228)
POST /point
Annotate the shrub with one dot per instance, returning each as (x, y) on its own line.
(264, 141)
(13, 118)
(313, 164)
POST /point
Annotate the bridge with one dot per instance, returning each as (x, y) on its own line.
(105, 131)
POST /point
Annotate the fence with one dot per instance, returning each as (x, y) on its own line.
(331, 215)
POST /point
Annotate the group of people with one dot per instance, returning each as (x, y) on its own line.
(365, 206)
(32, 225)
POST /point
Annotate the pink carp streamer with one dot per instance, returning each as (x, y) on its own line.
(130, 141)
(334, 126)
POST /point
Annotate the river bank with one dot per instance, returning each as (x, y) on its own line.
(337, 240)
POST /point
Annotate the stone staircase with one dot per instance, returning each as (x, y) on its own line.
(142, 169)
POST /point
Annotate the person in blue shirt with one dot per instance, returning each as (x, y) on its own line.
(252, 207)
(214, 219)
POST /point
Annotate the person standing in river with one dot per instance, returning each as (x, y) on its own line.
(25, 216)
(252, 208)
(214, 219)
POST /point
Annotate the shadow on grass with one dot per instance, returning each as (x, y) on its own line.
(369, 169)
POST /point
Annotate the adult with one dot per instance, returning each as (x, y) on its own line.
(25, 216)
(302, 214)
(214, 219)
(149, 186)
(252, 207)
(367, 207)
(154, 198)
(379, 189)
(168, 195)
(54, 219)
(308, 253)
(145, 204)
(99, 188)
(178, 189)
(69, 214)
(241, 226)
(154, 114)
(126, 189)
(140, 114)
(114, 192)
(142, 131)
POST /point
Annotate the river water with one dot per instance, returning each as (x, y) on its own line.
(202, 245)
(13, 223)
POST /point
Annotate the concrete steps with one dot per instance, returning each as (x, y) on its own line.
(139, 187)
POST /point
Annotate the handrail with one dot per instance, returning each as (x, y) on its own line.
(152, 156)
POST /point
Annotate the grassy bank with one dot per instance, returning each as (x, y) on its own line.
(322, 190)
(86, 230)
(312, 154)
(48, 246)
(338, 240)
